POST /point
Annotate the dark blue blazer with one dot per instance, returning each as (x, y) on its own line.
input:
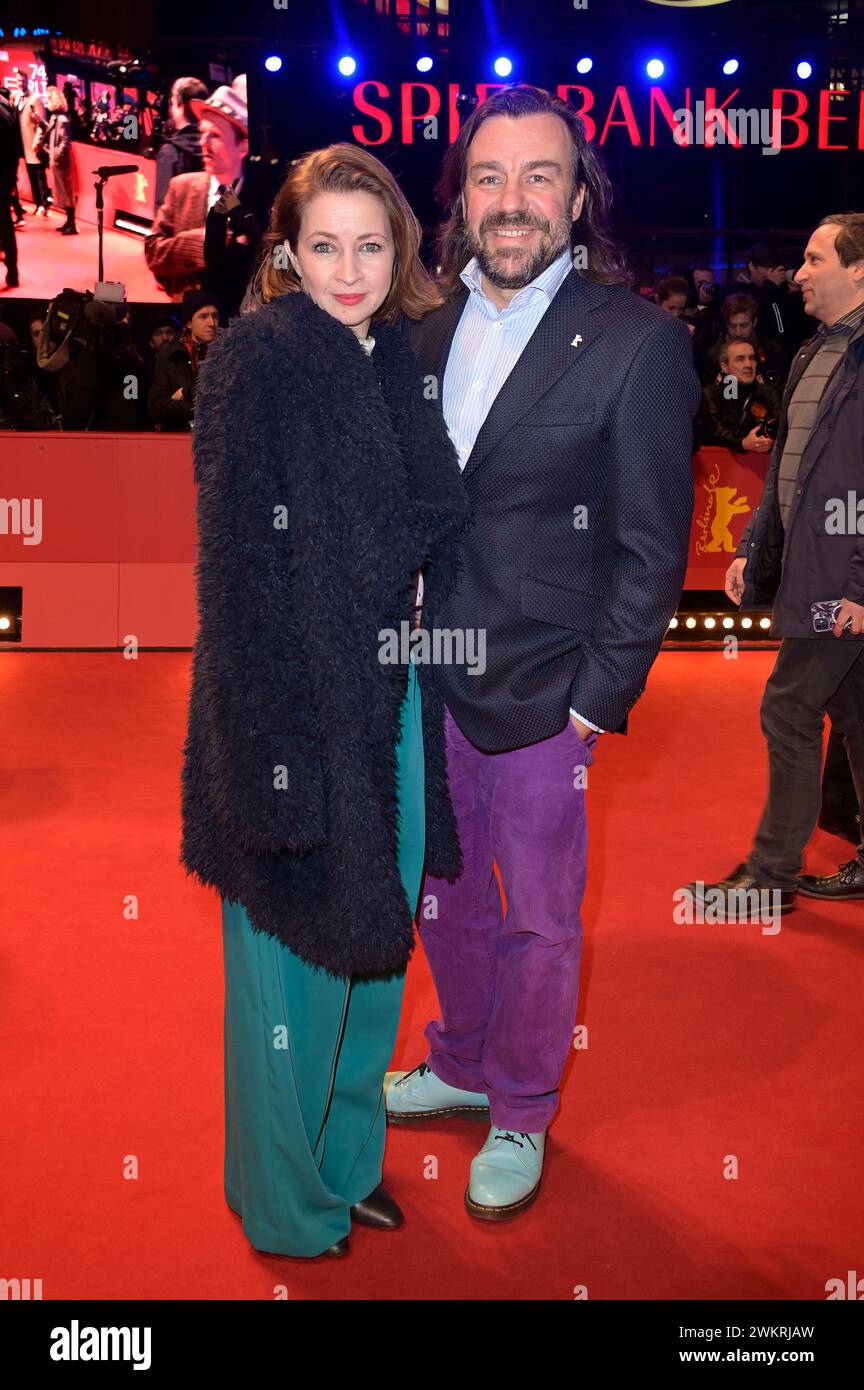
(597, 413)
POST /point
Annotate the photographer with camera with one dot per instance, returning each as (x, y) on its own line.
(739, 411)
(87, 341)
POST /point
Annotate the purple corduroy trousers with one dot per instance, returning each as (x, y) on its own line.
(508, 985)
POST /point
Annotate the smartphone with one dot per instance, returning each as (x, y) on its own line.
(824, 615)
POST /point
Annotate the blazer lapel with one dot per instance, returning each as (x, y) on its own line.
(562, 336)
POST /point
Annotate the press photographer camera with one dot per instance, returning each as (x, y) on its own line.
(87, 340)
(768, 428)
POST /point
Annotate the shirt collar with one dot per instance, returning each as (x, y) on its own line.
(847, 324)
(547, 283)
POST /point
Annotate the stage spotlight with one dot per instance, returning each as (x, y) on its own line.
(731, 65)
(804, 69)
(502, 67)
(709, 622)
(746, 622)
(655, 67)
(424, 64)
(585, 65)
(10, 614)
(273, 63)
(691, 622)
(347, 65)
(674, 622)
(764, 622)
(728, 622)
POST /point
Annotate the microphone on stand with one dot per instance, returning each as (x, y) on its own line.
(107, 171)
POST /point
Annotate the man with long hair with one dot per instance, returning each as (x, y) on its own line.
(570, 401)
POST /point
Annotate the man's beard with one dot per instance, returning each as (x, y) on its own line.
(499, 268)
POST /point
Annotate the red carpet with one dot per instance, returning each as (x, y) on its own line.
(47, 262)
(704, 1041)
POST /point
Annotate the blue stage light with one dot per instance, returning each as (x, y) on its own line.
(503, 67)
(655, 67)
(804, 69)
(585, 65)
(347, 65)
(730, 66)
(273, 63)
(424, 64)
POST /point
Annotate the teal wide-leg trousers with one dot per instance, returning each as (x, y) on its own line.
(305, 1057)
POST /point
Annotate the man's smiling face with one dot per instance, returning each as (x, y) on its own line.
(519, 202)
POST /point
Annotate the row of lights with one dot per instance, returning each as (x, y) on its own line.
(502, 66)
(727, 622)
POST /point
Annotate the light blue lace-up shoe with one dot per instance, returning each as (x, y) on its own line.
(421, 1095)
(505, 1174)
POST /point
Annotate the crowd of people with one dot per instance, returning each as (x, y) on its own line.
(745, 337)
(212, 206)
(142, 373)
(123, 369)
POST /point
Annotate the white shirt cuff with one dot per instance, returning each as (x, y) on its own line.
(583, 720)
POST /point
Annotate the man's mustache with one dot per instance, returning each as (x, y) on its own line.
(489, 226)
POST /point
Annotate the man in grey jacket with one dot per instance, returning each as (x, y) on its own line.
(803, 549)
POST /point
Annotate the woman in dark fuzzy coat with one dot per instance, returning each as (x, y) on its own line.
(329, 497)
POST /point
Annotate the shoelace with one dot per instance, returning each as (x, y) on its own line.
(418, 1071)
(507, 1136)
(847, 873)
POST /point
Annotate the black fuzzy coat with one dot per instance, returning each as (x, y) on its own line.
(325, 480)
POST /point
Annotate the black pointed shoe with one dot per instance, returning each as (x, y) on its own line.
(848, 882)
(379, 1210)
(741, 882)
(340, 1248)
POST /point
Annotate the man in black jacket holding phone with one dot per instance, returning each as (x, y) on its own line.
(805, 547)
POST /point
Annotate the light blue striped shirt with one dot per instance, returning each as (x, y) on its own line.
(486, 346)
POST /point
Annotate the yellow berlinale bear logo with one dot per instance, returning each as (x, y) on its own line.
(712, 526)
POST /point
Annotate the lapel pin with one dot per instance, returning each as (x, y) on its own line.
(577, 340)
